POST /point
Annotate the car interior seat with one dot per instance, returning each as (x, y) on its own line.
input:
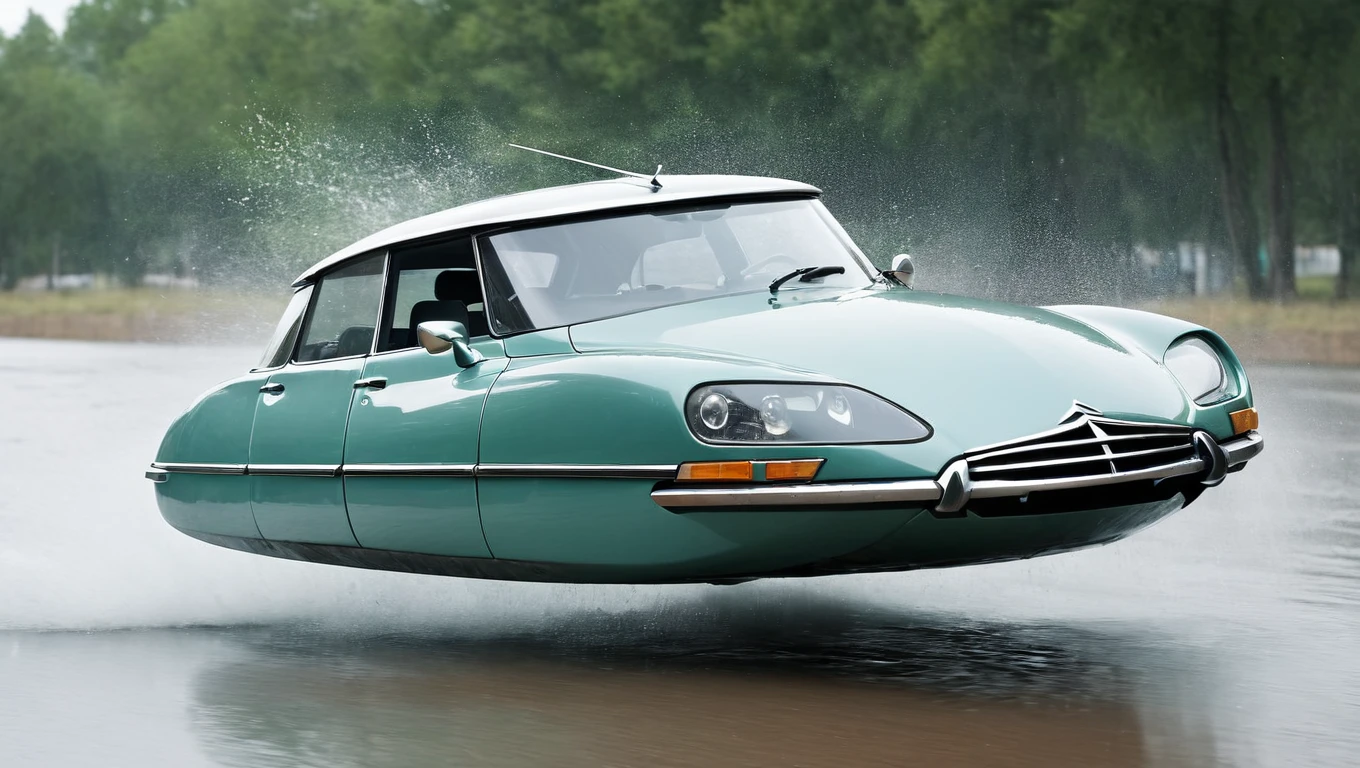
(454, 291)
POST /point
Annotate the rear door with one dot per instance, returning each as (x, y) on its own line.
(298, 438)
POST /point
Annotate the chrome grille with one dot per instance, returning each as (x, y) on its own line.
(1088, 445)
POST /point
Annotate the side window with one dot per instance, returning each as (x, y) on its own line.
(280, 345)
(430, 283)
(344, 312)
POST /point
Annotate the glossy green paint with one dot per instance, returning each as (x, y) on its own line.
(430, 412)
(612, 408)
(615, 523)
(1153, 334)
(613, 391)
(214, 430)
(551, 341)
(304, 425)
(217, 504)
(980, 372)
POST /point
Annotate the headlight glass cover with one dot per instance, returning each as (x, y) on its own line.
(822, 414)
(1200, 369)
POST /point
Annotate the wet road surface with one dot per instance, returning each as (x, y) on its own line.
(1228, 634)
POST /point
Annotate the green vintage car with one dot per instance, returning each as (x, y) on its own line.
(688, 379)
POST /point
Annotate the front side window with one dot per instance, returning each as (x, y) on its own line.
(344, 313)
(429, 283)
(546, 277)
(280, 345)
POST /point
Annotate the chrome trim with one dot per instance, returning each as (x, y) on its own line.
(1074, 459)
(408, 470)
(625, 471)
(955, 487)
(620, 471)
(1242, 449)
(992, 489)
(991, 454)
(825, 494)
(382, 302)
(297, 470)
(200, 469)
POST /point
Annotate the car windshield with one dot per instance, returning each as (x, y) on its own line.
(546, 277)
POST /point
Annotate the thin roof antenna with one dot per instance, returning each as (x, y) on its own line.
(653, 180)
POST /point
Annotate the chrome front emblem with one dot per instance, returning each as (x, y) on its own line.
(1077, 410)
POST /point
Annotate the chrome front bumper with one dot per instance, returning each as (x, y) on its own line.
(951, 492)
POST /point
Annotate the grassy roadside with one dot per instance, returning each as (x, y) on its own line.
(140, 314)
(1305, 331)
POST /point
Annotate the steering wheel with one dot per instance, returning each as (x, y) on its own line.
(759, 266)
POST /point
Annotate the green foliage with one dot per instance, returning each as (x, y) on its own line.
(242, 139)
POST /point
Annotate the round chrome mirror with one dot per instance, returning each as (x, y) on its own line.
(903, 270)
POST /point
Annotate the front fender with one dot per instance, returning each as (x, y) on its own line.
(1152, 334)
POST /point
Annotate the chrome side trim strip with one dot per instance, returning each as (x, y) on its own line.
(200, 469)
(618, 471)
(300, 470)
(879, 492)
(623, 471)
(408, 470)
(1239, 450)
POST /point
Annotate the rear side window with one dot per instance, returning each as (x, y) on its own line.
(344, 312)
(285, 335)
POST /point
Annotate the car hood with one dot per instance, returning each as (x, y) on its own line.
(980, 372)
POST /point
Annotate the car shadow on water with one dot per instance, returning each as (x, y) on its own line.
(721, 680)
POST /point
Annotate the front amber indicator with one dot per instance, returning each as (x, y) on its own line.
(1244, 420)
(801, 469)
(715, 471)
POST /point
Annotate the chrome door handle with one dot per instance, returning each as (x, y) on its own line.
(376, 382)
(272, 389)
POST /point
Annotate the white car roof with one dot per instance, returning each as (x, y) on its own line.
(561, 201)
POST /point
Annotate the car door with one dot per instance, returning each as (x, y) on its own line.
(298, 437)
(414, 424)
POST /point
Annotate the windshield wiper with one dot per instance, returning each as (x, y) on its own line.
(806, 275)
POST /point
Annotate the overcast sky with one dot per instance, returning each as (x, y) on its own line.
(14, 12)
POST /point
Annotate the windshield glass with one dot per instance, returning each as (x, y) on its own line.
(564, 274)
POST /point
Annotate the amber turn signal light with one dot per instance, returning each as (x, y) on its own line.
(800, 469)
(716, 471)
(1244, 420)
(745, 471)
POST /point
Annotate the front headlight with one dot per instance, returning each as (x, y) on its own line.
(1200, 369)
(797, 414)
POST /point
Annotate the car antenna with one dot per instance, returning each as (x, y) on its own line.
(653, 180)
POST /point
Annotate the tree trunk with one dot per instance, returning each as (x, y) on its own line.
(1347, 223)
(1239, 218)
(55, 271)
(1281, 197)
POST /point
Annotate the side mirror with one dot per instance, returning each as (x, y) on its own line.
(439, 336)
(903, 271)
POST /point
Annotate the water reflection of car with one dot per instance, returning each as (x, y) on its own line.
(701, 381)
